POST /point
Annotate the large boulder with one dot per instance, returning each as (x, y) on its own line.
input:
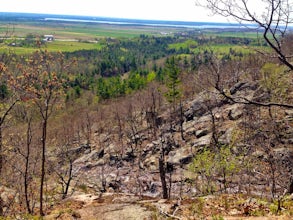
(76, 152)
(240, 86)
(151, 163)
(237, 87)
(202, 141)
(180, 156)
(201, 133)
(7, 196)
(235, 112)
(199, 106)
(189, 127)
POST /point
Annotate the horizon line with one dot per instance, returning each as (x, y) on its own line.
(124, 18)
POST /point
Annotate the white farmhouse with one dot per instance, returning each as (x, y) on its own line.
(48, 37)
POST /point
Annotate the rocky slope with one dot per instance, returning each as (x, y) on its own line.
(211, 120)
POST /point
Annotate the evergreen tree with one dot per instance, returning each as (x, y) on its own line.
(173, 81)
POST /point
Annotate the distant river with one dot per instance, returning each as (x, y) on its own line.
(197, 25)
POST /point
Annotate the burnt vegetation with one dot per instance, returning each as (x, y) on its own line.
(144, 117)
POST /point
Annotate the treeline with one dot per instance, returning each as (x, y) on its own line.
(120, 56)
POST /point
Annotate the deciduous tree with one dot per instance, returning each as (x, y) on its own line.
(272, 17)
(41, 80)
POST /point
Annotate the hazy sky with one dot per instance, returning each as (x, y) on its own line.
(180, 10)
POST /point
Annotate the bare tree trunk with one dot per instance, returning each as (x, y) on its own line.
(120, 133)
(2, 120)
(170, 185)
(88, 129)
(43, 171)
(181, 121)
(67, 183)
(163, 175)
(26, 172)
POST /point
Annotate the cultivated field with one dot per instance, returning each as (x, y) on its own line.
(73, 36)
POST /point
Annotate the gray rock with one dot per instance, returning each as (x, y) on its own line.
(151, 163)
(201, 133)
(236, 87)
(78, 151)
(189, 115)
(204, 119)
(188, 127)
(203, 141)
(111, 149)
(6, 194)
(235, 113)
(180, 156)
(259, 154)
(289, 112)
(241, 86)
(191, 131)
(100, 162)
(87, 157)
(226, 137)
(196, 109)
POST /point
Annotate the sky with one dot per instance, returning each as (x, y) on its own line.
(177, 10)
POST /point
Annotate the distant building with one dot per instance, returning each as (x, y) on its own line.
(48, 37)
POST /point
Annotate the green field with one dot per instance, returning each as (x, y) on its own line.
(82, 31)
(56, 46)
(77, 36)
(72, 36)
(239, 34)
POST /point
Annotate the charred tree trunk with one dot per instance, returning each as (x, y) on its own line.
(181, 121)
(70, 177)
(163, 176)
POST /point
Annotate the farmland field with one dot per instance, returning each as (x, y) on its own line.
(73, 35)
(81, 30)
(56, 46)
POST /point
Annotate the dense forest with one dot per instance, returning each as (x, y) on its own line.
(127, 65)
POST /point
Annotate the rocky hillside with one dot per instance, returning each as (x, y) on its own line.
(207, 122)
(211, 145)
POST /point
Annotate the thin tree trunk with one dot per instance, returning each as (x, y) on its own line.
(26, 172)
(181, 121)
(68, 181)
(2, 119)
(44, 136)
(163, 176)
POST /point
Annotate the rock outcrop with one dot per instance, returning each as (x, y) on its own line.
(209, 120)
